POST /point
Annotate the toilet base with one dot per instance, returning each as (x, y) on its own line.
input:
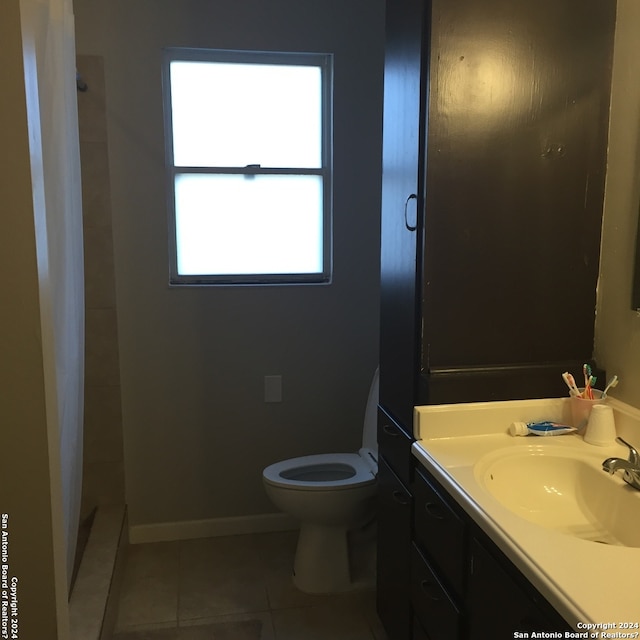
(322, 560)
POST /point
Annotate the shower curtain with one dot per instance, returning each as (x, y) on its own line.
(62, 283)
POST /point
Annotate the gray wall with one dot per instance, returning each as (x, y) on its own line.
(617, 345)
(196, 430)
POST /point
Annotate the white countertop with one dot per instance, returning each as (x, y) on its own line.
(586, 582)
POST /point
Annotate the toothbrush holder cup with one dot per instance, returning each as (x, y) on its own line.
(581, 408)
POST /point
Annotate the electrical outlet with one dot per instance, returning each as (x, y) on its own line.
(273, 388)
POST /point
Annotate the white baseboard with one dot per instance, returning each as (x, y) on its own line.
(185, 530)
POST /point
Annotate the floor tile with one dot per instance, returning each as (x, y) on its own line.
(331, 621)
(148, 634)
(253, 626)
(217, 558)
(152, 559)
(225, 628)
(233, 588)
(246, 630)
(148, 601)
(220, 576)
(149, 592)
(367, 600)
(276, 553)
(203, 598)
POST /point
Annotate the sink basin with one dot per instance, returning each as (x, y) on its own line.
(563, 491)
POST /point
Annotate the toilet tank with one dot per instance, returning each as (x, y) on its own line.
(369, 431)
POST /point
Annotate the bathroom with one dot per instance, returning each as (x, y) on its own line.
(192, 361)
(182, 371)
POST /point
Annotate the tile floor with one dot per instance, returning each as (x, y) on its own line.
(233, 588)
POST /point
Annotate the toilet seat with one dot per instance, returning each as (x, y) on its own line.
(330, 494)
(320, 472)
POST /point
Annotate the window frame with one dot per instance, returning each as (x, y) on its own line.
(322, 60)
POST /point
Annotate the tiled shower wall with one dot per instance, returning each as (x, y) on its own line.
(103, 479)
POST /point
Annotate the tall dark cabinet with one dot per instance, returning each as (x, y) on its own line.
(494, 158)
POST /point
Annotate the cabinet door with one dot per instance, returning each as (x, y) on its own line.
(402, 200)
(516, 161)
(394, 549)
(394, 445)
(440, 533)
(436, 610)
(499, 605)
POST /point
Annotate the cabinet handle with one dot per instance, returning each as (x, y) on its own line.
(390, 430)
(430, 590)
(434, 510)
(401, 498)
(410, 227)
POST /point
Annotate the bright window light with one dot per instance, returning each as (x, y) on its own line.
(232, 224)
(232, 115)
(248, 154)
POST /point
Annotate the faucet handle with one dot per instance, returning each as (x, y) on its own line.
(634, 457)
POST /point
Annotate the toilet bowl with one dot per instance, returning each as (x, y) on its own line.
(330, 494)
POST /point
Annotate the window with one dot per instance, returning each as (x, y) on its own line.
(248, 146)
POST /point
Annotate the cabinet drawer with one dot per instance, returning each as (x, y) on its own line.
(440, 533)
(394, 554)
(395, 446)
(432, 605)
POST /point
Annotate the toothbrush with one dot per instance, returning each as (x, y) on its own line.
(592, 384)
(612, 383)
(571, 383)
(588, 390)
(586, 371)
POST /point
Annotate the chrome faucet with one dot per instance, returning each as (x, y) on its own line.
(630, 467)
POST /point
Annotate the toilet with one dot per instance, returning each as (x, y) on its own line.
(330, 494)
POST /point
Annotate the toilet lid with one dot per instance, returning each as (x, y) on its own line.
(348, 470)
(370, 427)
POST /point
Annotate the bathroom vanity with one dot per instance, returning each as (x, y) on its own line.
(462, 585)
(520, 534)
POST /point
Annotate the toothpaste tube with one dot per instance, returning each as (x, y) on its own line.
(543, 428)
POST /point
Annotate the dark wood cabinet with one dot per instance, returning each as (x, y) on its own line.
(440, 561)
(394, 553)
(434, 607)
(395, 517)
(441, 534)
(418, 631)
(401, 224)
(463, 587)
(516, 146)
(394, 445)
(494, 158)
(502, 602)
